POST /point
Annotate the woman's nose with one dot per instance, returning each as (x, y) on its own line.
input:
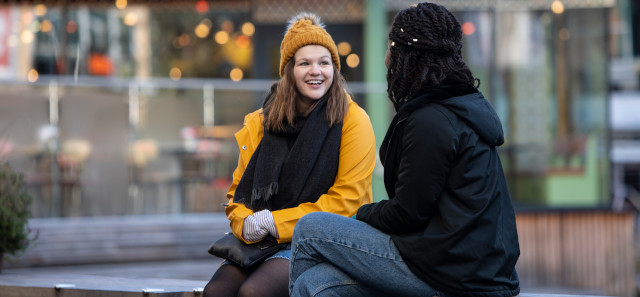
(315, 69)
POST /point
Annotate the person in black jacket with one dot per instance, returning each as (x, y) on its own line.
(448, 227)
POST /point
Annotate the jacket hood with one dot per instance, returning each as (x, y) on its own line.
(478, 113)
(467, 103)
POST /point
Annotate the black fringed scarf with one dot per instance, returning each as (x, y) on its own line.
(292, 167)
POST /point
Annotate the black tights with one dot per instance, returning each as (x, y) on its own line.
(269, 279)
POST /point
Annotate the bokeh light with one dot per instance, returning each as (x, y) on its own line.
(46, 26)
(344, 48)
(221, 37)
(99, 64)
(243, 41)
(236, 74)
(121, 4)
(131, 19)
(72, 27)
(184, 40)
(175, 73)
(206, 22)
(35, 26)
(248, 29)
(27, 17)
(32, 75)
(227, 26)
(468, 28)
(557, 7)
(40, 10)
(202, 6)
(353, 60)
(201, 30)
(26, 36)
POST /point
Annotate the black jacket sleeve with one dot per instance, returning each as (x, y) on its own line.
(426, 154)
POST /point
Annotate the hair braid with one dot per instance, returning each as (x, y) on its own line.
(426, 49)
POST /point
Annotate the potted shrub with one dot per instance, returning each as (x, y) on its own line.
(15, 203)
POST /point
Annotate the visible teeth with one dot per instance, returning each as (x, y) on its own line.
(315, 82)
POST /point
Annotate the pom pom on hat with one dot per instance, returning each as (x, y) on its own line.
(306, 29)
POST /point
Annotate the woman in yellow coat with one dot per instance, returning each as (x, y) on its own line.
(310, 148)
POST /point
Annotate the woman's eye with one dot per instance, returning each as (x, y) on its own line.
(325, 63)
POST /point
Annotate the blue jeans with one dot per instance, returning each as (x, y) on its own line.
(334, 255)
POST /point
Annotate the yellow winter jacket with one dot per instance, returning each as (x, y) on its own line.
(352, 186)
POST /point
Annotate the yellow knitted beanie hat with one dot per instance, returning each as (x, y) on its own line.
(306, 29)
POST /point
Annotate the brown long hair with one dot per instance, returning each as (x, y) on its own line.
(280, 107)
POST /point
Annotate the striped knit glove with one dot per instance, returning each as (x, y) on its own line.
(251, 231)
(266, 222)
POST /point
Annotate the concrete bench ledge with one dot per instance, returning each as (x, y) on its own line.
(553, 295)
(73, 285)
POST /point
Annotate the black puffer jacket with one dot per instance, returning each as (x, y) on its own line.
(450, 212)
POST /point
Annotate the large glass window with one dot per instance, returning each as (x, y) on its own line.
(118, 109)
(546, 75)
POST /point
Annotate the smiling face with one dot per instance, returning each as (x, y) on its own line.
(313, 72)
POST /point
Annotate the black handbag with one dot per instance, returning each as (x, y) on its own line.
(244, 255)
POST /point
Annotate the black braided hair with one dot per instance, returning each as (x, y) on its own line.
(425, 50)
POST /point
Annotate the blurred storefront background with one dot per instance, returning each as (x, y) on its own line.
(121, 107)
(115, 108)
(130, 108)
